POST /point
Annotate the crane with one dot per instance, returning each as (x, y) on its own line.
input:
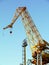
(37, 44)
(24, 45)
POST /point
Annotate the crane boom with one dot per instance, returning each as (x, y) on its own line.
(35, 40)
(32, 33)
(16, 15)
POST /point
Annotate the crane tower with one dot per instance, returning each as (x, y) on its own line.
(37, 44)
(24, 51)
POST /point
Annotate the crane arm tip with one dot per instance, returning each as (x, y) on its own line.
(9, 26)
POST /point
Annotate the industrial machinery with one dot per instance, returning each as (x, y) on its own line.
(38, 46)
(24, 51)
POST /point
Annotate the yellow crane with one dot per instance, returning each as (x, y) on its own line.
(37, 44)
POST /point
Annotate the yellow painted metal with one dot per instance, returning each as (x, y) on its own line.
(33, 36)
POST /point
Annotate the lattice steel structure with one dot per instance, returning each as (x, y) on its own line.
(37, 44)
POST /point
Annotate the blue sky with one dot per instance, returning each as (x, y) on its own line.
(11, 44)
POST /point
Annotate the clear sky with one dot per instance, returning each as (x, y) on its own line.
(11, 44)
